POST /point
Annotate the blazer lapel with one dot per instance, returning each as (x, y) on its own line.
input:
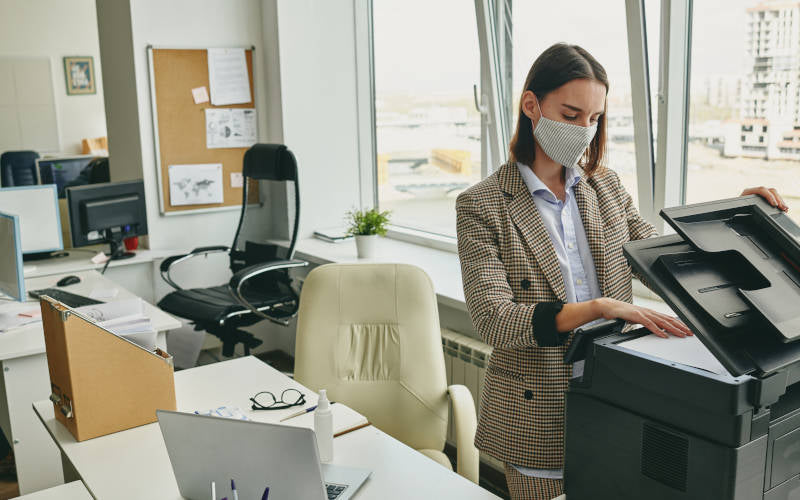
(593, 225)
(526, 218)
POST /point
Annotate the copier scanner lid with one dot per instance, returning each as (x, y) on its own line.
(732, 273)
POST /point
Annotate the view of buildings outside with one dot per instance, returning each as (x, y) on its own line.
(744, 128)
(428, 130)
(744, 120)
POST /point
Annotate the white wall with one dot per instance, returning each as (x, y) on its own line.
(306, 93)
(54, 29)
(320, 106)
(127, 28)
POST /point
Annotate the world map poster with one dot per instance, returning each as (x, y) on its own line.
(195, 184)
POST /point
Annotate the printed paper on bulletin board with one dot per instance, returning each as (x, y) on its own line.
(180, 125)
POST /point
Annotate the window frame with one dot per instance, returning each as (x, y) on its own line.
(493, 18)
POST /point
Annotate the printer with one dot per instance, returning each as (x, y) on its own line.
(643, 426)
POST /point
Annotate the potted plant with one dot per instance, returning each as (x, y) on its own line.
(366, 226)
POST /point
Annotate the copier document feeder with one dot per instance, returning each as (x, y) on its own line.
(646, 427)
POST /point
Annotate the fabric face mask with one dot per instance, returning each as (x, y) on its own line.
(563, 142)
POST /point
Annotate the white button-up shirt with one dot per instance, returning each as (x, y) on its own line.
(563, 223)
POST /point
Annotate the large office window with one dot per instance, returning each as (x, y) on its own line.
(744, 118)
(600, 28)
(428, 131)
(429, 134)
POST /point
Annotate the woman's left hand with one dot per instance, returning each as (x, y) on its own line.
(769, 194)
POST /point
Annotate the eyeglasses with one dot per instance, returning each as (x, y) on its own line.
(265, 400)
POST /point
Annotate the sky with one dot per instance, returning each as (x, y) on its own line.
(424, 46)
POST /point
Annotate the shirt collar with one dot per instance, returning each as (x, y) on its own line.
(537, 187)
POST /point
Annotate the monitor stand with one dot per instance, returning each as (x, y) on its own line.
(117, 248)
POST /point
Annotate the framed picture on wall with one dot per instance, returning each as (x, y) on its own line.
(79, 72)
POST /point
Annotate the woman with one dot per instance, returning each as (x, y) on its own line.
(540, 244)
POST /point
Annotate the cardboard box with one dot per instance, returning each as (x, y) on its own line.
(102, 383)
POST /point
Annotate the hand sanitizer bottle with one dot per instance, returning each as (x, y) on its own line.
(323, 427)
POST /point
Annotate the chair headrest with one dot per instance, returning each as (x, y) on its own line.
(272, 162)
(19, 158)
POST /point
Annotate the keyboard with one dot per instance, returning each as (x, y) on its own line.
(67, 298)
(334, 490)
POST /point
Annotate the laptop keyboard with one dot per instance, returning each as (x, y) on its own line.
(334, 490)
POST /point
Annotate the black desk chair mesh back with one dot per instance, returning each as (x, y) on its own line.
(260, 287)
(18, 168)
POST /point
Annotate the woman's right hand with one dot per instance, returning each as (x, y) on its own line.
(658, 323)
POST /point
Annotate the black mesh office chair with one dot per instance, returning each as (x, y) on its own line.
(260, 287)
(18, 168)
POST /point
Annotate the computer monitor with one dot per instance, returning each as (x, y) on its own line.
(40, 223)
(107, 213)
(12, 282)
(61, 171)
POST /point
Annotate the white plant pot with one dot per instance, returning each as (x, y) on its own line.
(365, 244)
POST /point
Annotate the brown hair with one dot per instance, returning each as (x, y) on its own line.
(559, 64)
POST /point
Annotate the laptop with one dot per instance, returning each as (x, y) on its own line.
(256, 455)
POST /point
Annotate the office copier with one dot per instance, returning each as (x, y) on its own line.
(639, 426)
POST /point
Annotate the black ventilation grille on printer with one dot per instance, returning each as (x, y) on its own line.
(665, 457)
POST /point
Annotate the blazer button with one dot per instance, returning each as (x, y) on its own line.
(528, 394)
(525, 284)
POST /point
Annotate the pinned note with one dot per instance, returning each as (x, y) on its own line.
(228, 77)
(200, 95)
(237, 180)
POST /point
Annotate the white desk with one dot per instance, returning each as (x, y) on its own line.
(25, 378)
(70, 491)
(139, 273)
(113, 466)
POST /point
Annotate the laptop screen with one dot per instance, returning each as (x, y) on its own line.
(11, 281)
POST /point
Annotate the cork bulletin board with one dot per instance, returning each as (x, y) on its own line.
(179, 126)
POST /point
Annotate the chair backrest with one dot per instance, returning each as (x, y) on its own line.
(265, 162)
(18, 168)
(369, 334)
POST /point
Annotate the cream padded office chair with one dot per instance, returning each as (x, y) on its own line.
(369, 334)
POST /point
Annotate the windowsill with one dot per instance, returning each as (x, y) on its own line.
(441, 265)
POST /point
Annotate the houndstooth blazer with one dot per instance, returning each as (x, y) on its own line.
(508, 265)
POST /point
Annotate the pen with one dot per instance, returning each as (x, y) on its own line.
(233, 489)
(301, 412)
(265, 496)
(213, 490)
(342, 433)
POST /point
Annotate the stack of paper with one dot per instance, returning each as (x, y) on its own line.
(125, 318)
(684, 350)
(332, 234)
(20, 314)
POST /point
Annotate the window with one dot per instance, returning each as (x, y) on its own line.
(430, 142)
(738, 85)
(428, 131)
(600, 28)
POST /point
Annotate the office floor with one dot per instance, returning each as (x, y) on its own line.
(8, 479)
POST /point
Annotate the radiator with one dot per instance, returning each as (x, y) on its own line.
(465, 361)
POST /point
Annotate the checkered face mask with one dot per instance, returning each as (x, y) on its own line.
(563, 142)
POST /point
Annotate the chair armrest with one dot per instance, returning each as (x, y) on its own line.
(167, 263)
(466, 423)
(240, 277)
